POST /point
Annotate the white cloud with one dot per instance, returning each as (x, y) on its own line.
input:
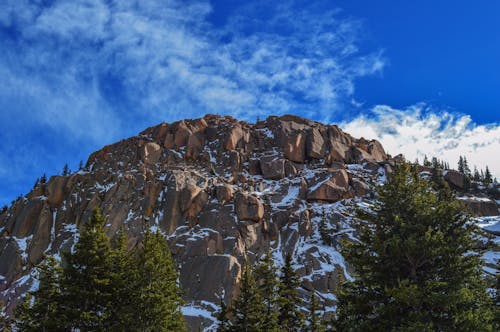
(167, 57)
(420, 130)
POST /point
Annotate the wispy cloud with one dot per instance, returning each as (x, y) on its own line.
(78, 74)
(164, 56)
(421, 130)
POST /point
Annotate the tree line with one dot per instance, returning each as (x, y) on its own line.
(104, 287)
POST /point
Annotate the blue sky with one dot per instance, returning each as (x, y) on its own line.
(422, 76)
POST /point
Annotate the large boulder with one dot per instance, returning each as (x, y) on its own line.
(272, 168)
(248, 207)
(315, 144)
(224, 193)
(332, 189)
(151, 153)
(295, 148)
(455, 178)
(234, 138)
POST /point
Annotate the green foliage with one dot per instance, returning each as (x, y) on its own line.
(158, 298)
(267, 286)
(316, 322)
(413, 263)
(290, 317)
(40, 310)
(224, 324)
(87, 283)
(249, 306)
(106, 289)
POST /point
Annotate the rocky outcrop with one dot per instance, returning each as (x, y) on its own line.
(455, 178)
(333, 189)
(482, 207)
(222, 191)
(248, 207)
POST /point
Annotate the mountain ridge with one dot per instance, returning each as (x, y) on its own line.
(222, 191)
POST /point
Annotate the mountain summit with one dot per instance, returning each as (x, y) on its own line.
(222, 191)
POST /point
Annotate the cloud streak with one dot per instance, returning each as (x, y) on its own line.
(420, 130)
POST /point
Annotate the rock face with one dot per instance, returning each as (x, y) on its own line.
(455, 178)
(483, 207)
(248, 207)
(331, 190)
(223, 191)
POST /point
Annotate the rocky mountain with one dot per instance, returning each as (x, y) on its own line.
(223, 191)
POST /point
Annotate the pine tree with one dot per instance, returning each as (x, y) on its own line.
(123, 276)
(224, 324)
(40, 311)
(426, 161)
(66, 170)
(43, 179)
(476, 177)
(158, 296)
(87, 283)
(413, 263)
(315, 321)
(487, 177)
(290, 317)
(267, 285)
(248, 307)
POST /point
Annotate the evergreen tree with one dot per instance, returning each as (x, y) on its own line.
(43, 179)
(224, 324)
(476, 177)
(290, 317)
(87, 283)
(315, 321)
(487, 177)
(123, 276)
(426, 161)
(413, 263)
(249, 306)
(267, 285)
(66, 170)
(40, 310)
(158, 297)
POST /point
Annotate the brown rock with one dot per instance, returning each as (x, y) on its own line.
(234, 137)
(202, 277)
(248, 207)
(315, 145)
(55, 190)
(295, 148)
(151, 153)
(194, 146)
(224, 193)
(359, 187)
(483, 207)
(169, 141)
(254, 167)
(182, 134)
(331, 190)
(272, 168)
(376, 151)
(25, 222)
(455, 178)
(10, 259)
